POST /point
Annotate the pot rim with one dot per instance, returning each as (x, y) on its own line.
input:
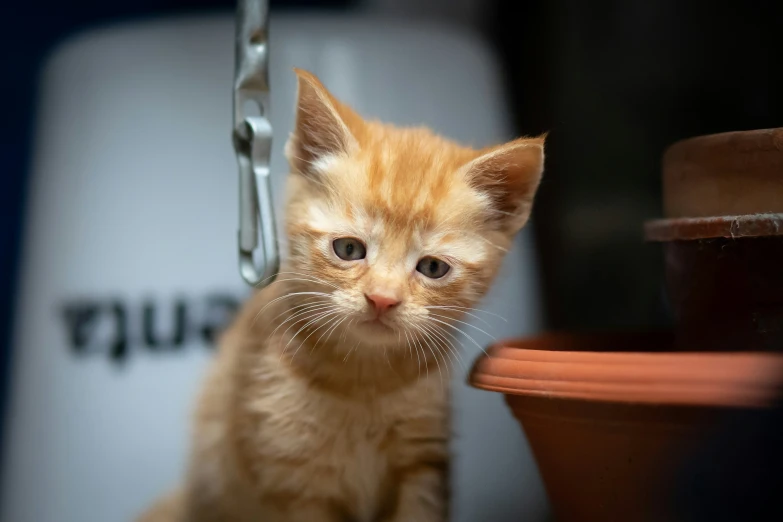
(723, 174)
(706, 142)
(539, 367)
(685, 229)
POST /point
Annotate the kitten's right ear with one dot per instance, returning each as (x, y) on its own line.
(320, 131)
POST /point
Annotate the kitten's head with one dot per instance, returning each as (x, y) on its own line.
(401, 228)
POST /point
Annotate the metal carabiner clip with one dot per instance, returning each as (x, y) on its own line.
(252, 139)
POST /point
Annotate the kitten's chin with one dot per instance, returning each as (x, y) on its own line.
(375, 332)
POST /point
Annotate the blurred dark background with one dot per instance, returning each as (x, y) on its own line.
(613, 82)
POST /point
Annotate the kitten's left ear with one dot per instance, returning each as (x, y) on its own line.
(509, 176)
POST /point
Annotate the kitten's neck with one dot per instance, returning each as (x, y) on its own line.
(361, 375)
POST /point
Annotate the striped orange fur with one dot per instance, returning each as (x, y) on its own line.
(328, 399)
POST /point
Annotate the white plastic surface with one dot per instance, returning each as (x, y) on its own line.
(134, 198)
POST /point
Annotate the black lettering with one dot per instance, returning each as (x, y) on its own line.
(153, 339)
(80, 323)
(118, 350)
(109, 327)
(220, 310)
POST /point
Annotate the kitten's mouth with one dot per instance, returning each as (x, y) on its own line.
(376, 322)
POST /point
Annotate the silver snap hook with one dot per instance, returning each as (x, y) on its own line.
(252, 140)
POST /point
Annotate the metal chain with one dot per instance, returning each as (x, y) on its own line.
(252, 139)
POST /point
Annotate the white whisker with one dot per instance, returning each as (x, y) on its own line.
(328, 325)
(466, 324)
(288, 296)
(318, 316)
(449, 348)
(349, 351)
(309, 312)
(303, 306)
(462, 332)
(443, 332)
(410, 347)
(423, 355)
(306, 277)
(466, 310)
(433, 351)
(345, 330)
(311, 333)
(335, 323)
(461, 312)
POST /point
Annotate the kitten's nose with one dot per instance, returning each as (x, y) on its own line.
(381, 303)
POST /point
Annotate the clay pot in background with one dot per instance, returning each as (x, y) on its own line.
(728, 174)
(723, 240)
(724, 280)
(610, 418)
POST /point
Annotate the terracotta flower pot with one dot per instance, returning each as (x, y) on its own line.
(724, 280)
(728, 174)
(723, 240)
(609, 417)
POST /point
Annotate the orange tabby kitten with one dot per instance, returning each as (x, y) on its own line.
(328, 400)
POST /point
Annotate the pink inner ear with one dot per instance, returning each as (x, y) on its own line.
(320, 129)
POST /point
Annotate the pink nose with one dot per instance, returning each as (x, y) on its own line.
(381, 303)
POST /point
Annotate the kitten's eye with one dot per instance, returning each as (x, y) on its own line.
(432, 267)
(349, 248)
